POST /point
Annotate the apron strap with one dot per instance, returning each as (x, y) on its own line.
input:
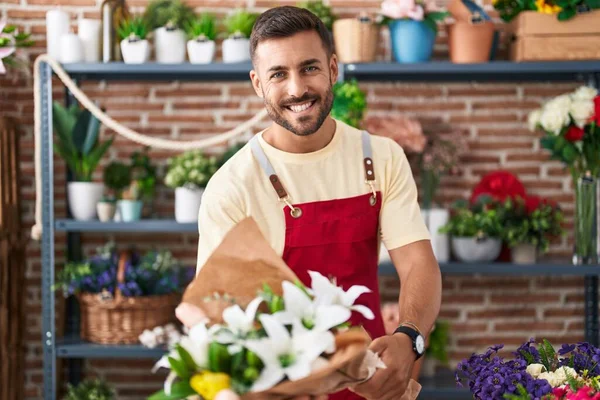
(265, 164)
(368, 164)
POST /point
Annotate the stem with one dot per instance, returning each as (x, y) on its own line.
(585, 217)
(430, 183)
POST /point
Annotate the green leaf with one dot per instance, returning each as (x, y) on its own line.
(91, 136)
(593, 4)
(180, 368)
(569, 153)
(9, 28)
(431, 24)
(63, 121)
(80, 130)
(94, 157)
(186, 358)
(219, 359)
(566, 14)
(438, 15)
(179, 390)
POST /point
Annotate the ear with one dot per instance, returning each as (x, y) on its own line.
(256, 83)
(333, 68)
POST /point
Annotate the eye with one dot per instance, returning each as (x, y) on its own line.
(277, 75)
(311, 68)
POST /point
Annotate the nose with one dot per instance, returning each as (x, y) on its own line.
(296, 86)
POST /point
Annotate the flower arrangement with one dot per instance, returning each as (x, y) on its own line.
(535, 371)
(482, 219)
(275, 339)
(349, 102)
(151, 274)
(10, 40)
(191, 169)
(416, 10)
(564, 9)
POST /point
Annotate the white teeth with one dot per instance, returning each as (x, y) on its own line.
(301, 107)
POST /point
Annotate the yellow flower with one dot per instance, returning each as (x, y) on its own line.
(546, 8)
(208, 384)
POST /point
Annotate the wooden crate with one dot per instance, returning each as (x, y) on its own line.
(537, 37)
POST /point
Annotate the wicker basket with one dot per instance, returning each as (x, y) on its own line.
(120, 320)
(356, 39)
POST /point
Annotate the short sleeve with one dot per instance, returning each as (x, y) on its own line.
(216, 217)
(401, 221)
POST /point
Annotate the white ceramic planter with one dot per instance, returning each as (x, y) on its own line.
(106, 211)
(435, 218)
(83, 197)
(524, 254)
(135, 51)
(469, 249)
(236, 50)
(169, 45)
(201, 51)
(187, 204)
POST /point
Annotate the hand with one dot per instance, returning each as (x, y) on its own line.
(189, 314)
(389, 383)
(228, 394)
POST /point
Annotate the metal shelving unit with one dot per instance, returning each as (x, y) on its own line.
(73, 348)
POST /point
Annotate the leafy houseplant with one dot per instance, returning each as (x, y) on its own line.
(238, 27)
(167, 18)
(438, 342)
(77, 143)
(189, 174)
(134, 45)
(201, 33)
(144, 174)
(349, 102)
(90, 389)
(564, 9)
(10, 40)
(321, 10)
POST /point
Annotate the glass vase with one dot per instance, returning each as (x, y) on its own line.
(586, 220)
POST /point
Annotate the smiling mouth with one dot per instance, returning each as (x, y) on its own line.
(300, 108)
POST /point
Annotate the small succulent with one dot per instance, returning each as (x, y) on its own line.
(134, 28)
(202, 28)
(240, 23)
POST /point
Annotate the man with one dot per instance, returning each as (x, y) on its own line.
(324, 194)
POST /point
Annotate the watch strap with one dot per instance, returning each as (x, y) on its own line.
(413, 334)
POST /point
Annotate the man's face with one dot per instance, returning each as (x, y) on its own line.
(294, 77)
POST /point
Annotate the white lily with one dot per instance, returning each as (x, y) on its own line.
(328, 293)
(298, 305)
(196, 344)
(238, 324)
(284, 355)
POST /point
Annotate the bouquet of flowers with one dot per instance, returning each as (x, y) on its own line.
(266, 335)
(535, 371)
(565, 9)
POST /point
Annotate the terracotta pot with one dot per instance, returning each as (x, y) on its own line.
(470, 42)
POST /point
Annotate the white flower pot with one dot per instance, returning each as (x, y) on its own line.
(169, 45)
(435, 218)
(135, 51)
(236, 50)
(201, 52)
(524, 254)
(187, 204)
(106, 211)
(469, 249)
(83, 197)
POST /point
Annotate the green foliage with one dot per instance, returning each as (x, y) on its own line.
(77, 133)
(133, 28)
(203, 27)
(274, 301)
(438, 342)
(173, 13)
(90, 389)
(482, 219)
(431, 19)
(321, 10)
(548, 356)
(564, 9)
(240, 23)
(117, 176)
(521, 394)
(143, 173)
(11, 37)
(219, 359)
(191, 169)
(349, 102)
(179, 390)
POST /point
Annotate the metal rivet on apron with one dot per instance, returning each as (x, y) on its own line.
(296, 212)
(372, 200)
(369, 162)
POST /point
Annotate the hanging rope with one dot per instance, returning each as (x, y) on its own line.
(159, 143)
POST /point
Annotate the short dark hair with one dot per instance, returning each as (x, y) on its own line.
(286, 21)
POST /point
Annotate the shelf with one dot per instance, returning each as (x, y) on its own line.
(150, 225)
(541, 269)
(438, 71)
(74, 347)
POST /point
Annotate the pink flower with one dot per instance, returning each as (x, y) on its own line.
(407, 132)
(398, 9)
(4, 51)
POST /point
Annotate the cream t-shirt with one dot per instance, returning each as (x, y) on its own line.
(241, 189)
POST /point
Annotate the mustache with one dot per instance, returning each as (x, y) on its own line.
(299, 100)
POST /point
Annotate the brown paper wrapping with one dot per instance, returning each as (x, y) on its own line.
(237, 269)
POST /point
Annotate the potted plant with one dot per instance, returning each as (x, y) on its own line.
(321, 10)
(349, 102)
(436, 352)
(189, 174)
(77, 143)
(238, 26)
(529, 226)
(10, 40)
(166, 18)
(106, 208)
(144, 173)
(96, 389)
(413, 28)
(117, 177)
(135, 48)
(475, 230)
(130, 203)
(201, 33)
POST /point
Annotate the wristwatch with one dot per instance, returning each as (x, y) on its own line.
(417, 339)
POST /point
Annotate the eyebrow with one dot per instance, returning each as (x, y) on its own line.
(302, 64)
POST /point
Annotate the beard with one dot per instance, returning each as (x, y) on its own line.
(306, 125)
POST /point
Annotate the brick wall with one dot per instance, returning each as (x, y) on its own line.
(482, 311)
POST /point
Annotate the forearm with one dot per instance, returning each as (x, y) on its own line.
(420, 285)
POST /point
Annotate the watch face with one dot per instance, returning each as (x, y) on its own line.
(420, 344)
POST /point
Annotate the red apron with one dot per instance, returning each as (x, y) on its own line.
(338, 238)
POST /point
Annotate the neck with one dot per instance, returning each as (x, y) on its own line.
(284, 140)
